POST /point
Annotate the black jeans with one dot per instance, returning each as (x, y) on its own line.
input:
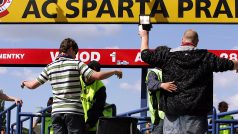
(65, 123)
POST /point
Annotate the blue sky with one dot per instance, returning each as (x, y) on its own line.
(125, 93)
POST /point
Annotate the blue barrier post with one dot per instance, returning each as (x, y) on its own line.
(30, 116)
(8, 117)
(42, 123)
(1, 121)
(217, 127)
(8, 122)
(214, 115)
(14, 124)
(232, 128)
(31, 125)
(18, 123)
(143, 93)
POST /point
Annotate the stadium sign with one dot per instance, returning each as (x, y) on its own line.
(107, 57)
(118, 11)
(128, 58)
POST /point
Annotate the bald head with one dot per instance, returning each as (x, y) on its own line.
(190, 36)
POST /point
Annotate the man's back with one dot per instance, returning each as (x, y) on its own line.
(192, 72)
(63, 75)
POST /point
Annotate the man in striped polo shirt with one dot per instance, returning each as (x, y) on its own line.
(63, 74)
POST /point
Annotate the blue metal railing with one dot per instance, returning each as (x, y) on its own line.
(216, 122)
(29, 116)
(8, 116)
(215, 128)
(20, 127)
(134, 112)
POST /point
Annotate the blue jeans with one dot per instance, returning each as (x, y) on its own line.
(68, 123)
(185, 124)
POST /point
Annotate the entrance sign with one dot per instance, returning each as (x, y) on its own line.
(124, 58)
(118, 11)
(42, 57)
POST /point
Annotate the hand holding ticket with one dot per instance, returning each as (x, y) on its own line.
(145, 23)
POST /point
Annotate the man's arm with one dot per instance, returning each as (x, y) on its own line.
(154, 84)
(32, 84)
(144, 39)
(94, 75)
(105, 74)
(10, 98)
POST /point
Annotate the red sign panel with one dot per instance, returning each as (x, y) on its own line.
(229, 54)
(41, 57)
(107, 57)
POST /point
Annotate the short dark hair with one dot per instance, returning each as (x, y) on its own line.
(66, 44)
(222, 103)
(95, 65)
